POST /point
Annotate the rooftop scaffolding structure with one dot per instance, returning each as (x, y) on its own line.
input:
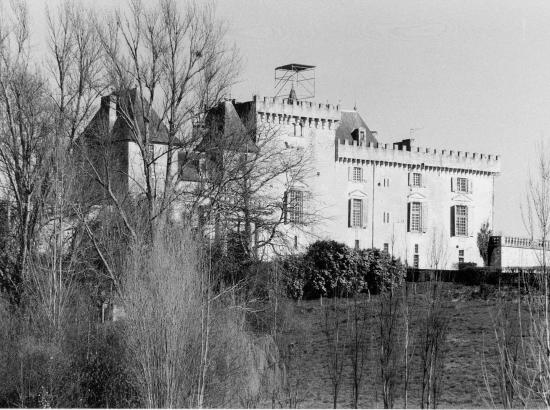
(300, 78)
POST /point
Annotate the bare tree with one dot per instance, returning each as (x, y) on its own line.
(388, 356)
(26, 124)
(253, 178)
(167, 65)
(335, 336)
(408, 343)
(533, 379)
(437, 251)
(434, 319)
(359, 347)
(433, 345)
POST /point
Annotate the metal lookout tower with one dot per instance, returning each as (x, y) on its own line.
(295, 81)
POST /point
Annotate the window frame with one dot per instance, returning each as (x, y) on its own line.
(415, 217)
(462, 185)
(357, 174)
(295, 206)
(416, 179)
(461, 256)
(356, 214)
(461, 220)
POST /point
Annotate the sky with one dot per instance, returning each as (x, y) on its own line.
(466, 75)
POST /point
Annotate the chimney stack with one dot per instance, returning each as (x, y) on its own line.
(109, 104)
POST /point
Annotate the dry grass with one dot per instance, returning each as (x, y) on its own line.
(470, 345)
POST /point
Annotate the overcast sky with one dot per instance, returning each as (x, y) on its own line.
(469, 75)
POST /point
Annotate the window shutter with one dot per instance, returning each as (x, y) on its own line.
(470, 219)
(285, 207)
(470, 186)
(408, 216)
(453, 220)
(424, 217)
(349, 213)
(410, 177)
(365, 213)
(453, 184)
(349, 173)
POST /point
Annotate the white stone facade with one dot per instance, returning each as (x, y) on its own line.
(377, 181)
(424, 206)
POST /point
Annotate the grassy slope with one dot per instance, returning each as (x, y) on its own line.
(470, 346)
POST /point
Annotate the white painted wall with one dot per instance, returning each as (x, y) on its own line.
(331, 189)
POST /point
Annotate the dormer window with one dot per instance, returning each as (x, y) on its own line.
(359, 136)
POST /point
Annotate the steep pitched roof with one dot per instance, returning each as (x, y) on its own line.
(351, 121)
(225, 130)
(128, 103)
(121, 105)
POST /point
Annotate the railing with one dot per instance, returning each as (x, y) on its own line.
(518, 242)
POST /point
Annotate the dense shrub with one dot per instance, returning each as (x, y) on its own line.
(380, 271)
(330, 268)
(294, 271)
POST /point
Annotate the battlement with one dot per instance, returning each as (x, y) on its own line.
(295, 108)
(426, 157)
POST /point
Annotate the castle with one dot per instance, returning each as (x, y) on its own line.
(422, 205)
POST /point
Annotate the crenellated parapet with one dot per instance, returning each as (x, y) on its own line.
(417, 157)
(307, 113)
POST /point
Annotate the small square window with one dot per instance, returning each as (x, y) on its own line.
(462, 185)
(357, 174)
(416, 179)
